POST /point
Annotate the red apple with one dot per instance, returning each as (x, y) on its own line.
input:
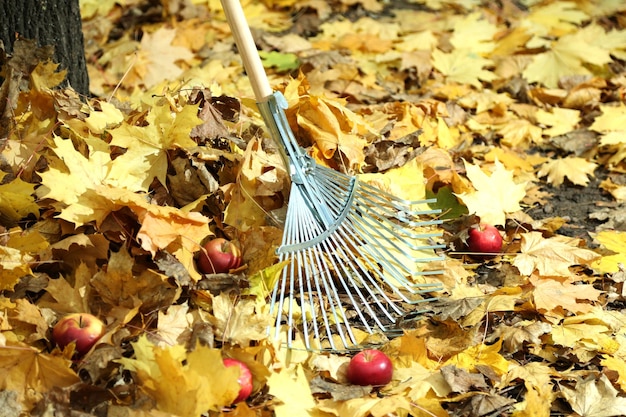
(370, 367)
(484, 238)
(219, 255)
(82, 328)
(244, 380)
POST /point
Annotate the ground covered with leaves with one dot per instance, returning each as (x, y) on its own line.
(510, 113)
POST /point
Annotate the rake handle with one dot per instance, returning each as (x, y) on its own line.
(247, 49)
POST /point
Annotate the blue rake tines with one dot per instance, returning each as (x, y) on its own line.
(353, 249)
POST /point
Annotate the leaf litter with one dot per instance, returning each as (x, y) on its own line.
(510, 113)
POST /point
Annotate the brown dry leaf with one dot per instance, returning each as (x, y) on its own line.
(551, 294)
(552, 256)
(577, 170)
(120, 285)
(461, 381)
(69, 298)
(520, 333)
(27, 321)
(594, 397)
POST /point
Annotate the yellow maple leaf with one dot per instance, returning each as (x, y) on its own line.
(567, 55)
(108, 116)
(84, 173)
(16, 200)
(45, 77)
(291, 388)
(241, 322)
(184, 384)
(520, 132)
(585, 339)
(69, 298)
(480, 354)
(157, 57)
(611, 124)
(146, 146)
(463, 66)
(475, 33)
(32, 373)
(406, 182)
(618, 365)
(573, 168)
(21, 250)
(367, 406)
(329, 125)
(496, 195)
(552, 256)
(554, 19)
(173, 323)
(614, 241)
(561, 120)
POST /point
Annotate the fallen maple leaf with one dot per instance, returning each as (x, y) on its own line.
(552, 256)
(478, 355)
(31, 373)
(184, 384)
(64, 297)
(463, 66)
(614, 241)
(16, 200)
(594, 397)
(157, 57)
(291, 388)
(329, 125)
(173, 324)
(241, 322)
(561, 121)
(146, 147)
(574, 169)
(496, 195)
(551, 294)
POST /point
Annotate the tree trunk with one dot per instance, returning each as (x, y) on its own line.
(49, 22)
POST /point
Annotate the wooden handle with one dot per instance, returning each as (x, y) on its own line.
(247, 49)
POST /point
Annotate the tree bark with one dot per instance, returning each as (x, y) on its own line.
(49, 22)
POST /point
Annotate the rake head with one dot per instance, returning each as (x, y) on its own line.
(353, 249)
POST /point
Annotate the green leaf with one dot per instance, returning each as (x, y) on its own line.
(282, 62)
(450, 206)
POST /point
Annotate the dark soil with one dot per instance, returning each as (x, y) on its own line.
(579, 205)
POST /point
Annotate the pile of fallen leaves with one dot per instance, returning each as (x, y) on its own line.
(492, 107)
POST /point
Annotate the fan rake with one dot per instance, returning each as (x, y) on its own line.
(353, 249)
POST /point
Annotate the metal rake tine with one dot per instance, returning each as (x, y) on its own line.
(305, 259)
(393, 271)
(373, 290)
(385, 204)
(323, 275)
